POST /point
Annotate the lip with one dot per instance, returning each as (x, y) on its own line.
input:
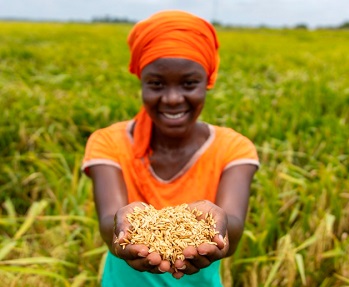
(174, 118)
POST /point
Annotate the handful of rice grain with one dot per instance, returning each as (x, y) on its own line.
(170, 230)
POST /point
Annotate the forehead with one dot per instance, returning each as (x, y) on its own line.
(173, 65)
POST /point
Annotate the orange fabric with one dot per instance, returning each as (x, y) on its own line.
(142, 134)
(174, 34)
(170, 34)
(113, 146)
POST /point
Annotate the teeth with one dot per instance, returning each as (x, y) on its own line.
(173, 116)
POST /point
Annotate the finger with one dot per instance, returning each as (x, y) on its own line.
(156, 265)
(154, 258)
(185, 267)
(179, 264)
(132, 251)
(190, 252)
(177, 274)
(207, 249)
(147, 264)
(152, 263)
(121, 223)
(142, 264)
(165, 266)
(193, 260)
(192, 266)
(211, 252)
(221, 220)
(221, 241)
(219, 217)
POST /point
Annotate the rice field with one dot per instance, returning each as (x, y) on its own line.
(287, 90)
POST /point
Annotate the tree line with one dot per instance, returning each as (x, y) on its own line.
(111, 19)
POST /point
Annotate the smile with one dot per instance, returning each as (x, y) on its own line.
(174, 116)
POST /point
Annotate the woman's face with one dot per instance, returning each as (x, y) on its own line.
(174, 91)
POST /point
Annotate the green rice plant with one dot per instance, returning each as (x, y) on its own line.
(286, 90)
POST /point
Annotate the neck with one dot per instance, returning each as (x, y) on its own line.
(197, 135)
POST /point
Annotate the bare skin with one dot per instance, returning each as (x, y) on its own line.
(173, 95)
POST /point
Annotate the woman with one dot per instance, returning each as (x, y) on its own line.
(166, 157)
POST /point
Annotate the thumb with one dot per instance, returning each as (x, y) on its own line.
(119, 230)
(221, 229)
(220, 240)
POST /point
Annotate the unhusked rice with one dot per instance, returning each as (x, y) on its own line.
(169, 230)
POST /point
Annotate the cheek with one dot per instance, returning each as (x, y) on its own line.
(199, 98)
(200, 107)
(149, 99)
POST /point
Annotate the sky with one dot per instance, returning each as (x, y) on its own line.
(273, 13)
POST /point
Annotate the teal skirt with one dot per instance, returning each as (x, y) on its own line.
(117, 273)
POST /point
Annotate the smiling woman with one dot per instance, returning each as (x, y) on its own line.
(166, 157)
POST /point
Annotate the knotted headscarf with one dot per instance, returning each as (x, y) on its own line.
(170, 34)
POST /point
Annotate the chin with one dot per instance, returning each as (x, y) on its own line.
(175, 132)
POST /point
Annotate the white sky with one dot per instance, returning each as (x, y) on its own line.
(276, 13)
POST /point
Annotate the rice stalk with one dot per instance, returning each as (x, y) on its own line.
(35, 271)
(35, 209)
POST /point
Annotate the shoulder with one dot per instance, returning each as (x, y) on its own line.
(107, 145)
(113, 129)
(109, 140)
(116, 132)
(228, 135)
(234, 147)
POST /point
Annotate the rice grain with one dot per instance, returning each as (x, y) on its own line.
(170, 230)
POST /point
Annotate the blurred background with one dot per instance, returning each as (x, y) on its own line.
(283, 82)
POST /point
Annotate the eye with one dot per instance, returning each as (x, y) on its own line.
(155, 84)
(190, 84)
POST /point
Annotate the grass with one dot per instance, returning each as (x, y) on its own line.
(287, 90)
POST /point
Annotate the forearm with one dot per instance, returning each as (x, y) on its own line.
(233, 197)
(235, 229)
(106, 229)
(110, 195)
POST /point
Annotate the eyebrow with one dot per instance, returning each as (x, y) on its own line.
(151, 74)
(192, 74)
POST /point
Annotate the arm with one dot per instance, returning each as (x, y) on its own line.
(233, 196)
(110, 196)
(229, 211)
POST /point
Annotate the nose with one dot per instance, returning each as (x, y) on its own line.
(172, 96)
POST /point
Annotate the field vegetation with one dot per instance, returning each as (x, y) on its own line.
(287, 90)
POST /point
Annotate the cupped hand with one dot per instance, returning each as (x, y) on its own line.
(135, 255)
(205, 254)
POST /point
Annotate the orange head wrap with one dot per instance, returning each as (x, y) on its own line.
(170, 34)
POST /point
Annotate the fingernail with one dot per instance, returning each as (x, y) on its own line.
(121, 235)
(202, 253)
(183, 267)
(189, 257)
(222, 239)
(179, 276)
(142, 255)
(161, 270)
